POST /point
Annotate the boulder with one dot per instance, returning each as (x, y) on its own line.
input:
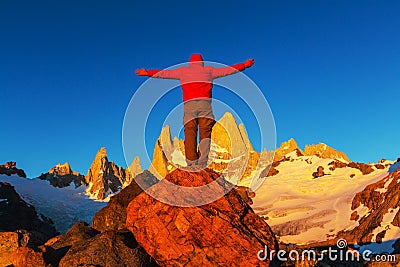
(27, 257)
(225, 232)
(113, 216)
(9, 242)
(57, 247)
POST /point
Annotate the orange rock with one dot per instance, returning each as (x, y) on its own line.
(225, 232)
(27, 257)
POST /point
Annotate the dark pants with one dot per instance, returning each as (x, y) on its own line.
(198, 115)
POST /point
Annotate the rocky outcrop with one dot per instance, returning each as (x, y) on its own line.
(10, 168)
(57, 247)
(108, 249)
(9, 242)
(61, 169)
(61, 175)
(383, 203)
(319, 173)
(83, 245)
(286, 148)
(323, 151)
(105, 177)
(337, 164)
(225, 232)
(113, 216)
(364, 168)
(27, 257)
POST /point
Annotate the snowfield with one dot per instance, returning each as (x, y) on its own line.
(303, 210)
(65, 206)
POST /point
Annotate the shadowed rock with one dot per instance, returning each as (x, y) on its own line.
(108, 249)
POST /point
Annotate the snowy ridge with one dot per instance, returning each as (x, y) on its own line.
(301, 209)
(65, 206)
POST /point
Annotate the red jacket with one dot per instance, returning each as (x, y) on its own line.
(196, 79)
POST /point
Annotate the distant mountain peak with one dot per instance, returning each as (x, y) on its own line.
(321, 150)
(61, 169)
(10, 168)
(324, 151)
(102, 153)
(104, 177)
(286, 148)
(62, 175)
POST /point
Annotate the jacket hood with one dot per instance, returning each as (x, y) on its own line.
(196, 59)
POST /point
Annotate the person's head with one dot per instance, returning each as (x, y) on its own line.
(196, 60)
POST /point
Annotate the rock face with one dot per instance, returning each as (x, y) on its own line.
(382, 219)
(162, 164)
(27, 257)
(105, 177)
(324, 151)
(9, 242)
(62, 175)
(232, 153)
(225, 232)
(226, 134)
(17, 214)
(10, 168)
(113, 216)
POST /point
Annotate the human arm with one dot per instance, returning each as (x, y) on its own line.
(164, 74)
(225, 71)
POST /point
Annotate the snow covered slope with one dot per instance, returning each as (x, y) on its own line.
(65, 206)
(301, 209)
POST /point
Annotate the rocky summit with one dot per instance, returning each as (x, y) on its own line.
(225, 232)
(105, 177)
(61, 175)
(10, 168)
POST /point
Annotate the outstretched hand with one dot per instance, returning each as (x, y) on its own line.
(141, 72)
(248, 63)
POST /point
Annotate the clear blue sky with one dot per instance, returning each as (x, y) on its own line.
(329, 69)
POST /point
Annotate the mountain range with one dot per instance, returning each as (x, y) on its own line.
(308, 197)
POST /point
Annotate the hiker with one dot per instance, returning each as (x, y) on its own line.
(197, 81)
